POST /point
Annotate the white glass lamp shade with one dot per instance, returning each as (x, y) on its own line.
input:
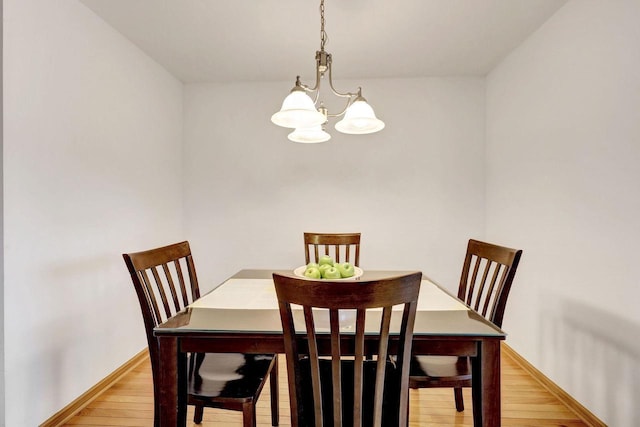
(359, 119)
(298, 111)
(309, 135)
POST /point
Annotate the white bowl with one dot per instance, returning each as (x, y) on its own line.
(356, 275)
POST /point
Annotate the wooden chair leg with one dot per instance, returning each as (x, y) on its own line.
(408, 412)
(197, 415)
(156, 411)
(249, 414)
(457, 393)
(275, 410)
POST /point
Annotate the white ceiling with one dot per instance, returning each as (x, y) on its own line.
(263, 40)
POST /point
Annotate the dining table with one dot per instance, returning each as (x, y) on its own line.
(241, 316)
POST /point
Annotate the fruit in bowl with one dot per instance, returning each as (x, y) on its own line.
(331, 273)
(324, 268)
(325, 260)
(346, 269)
(312, 273)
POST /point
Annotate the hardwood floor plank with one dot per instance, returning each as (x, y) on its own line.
(108, 404)
(118, 412)
(535, 422)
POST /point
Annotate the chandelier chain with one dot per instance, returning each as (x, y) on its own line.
(323, 34)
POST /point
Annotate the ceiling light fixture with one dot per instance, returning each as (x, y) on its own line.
(308, 118)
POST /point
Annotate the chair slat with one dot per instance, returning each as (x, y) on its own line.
(150, 297)
(161, 292)
(470, 284)
(181, 282)
(404, 358)
(358, 369)
(336, 366)
(172, 287)
(195, 288)
(383, 350)
(489, 293)
(483, 282)
(498, 293)
(314, 362)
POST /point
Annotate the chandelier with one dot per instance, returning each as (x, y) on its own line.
(308, 116)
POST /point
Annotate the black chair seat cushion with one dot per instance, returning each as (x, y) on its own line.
(227, 375)
(390, 398)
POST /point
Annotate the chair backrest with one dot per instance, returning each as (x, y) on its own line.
(357, 296)
(487, 275)
(165, 282)
(343, 247)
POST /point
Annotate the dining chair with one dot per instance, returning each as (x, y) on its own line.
(487, 276)
(331, 383)
(341, 246)
(165, 281)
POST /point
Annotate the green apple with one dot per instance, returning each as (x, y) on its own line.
(325, 259)
(324, 268)
(346, 269)
(332, 273)
(313, 264)
(312, 273)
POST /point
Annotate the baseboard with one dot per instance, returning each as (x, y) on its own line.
(573, 405)
(73, 408)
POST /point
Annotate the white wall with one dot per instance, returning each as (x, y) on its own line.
(415, 190)
(563, 175)
(92, 168)
(2, 394)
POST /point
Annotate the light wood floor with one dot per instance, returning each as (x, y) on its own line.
(524, 403)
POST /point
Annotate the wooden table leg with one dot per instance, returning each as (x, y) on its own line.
(486, 384)
(172, 385)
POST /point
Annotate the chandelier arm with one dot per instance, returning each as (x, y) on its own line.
(340, 114)
(335, 92)
(316, 95)
(314, 90)
(309, 89)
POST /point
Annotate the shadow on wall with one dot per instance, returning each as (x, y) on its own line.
(595, 356)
